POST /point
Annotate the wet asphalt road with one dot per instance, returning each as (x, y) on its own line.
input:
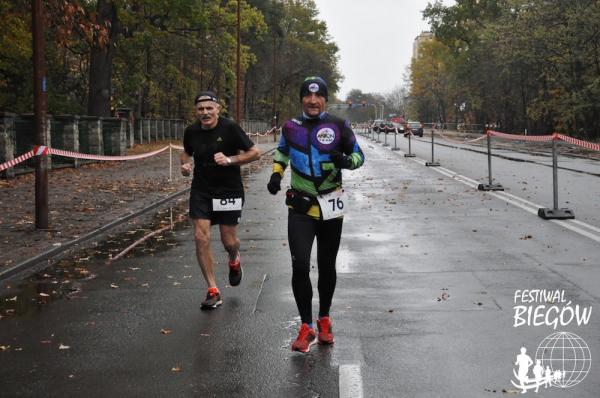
(427, 272)
(523, 174)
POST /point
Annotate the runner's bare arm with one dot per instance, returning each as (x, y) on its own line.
(242, 158)
(186, 164)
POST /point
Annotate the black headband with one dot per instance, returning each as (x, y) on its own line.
(206, 96)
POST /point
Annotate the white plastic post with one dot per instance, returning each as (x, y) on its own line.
(170, 162)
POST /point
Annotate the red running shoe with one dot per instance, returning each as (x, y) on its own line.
(213, 299)
(306, 339)
(235, 271)
(325, 330)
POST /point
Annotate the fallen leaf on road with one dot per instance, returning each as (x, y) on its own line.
(445, 296)
(63, 347)
(44, 295)
(12, 299)
(45, 342)
(166, 331)
(4, 347)
(176, 369)
(512, 391)
(112, 285)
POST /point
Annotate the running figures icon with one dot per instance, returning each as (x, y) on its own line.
(562, 360)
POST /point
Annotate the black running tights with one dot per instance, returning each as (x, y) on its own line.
(302, 230)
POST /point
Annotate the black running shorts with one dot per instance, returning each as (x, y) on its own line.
(201, 209)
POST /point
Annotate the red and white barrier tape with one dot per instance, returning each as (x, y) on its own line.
(581, 143)
(534, 138)
(16, 161)
(44, 150)
(544, 138)
(270, 131)
(77, 155)
(461, 142)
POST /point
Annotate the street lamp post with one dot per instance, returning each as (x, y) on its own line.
(40, 105)
(238, 67)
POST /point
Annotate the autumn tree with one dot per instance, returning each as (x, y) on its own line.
(155, 55)
(523, 64)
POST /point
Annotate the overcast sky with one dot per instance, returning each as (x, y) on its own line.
(375, 38)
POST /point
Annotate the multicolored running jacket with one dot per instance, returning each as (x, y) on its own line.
(306, 145)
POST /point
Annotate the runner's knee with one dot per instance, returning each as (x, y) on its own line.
(201, 238)
(300, 266)
(231, 245)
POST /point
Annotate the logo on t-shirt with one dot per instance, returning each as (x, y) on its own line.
(325, 136)
(219, 139)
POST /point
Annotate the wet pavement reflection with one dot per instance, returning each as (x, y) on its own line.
(65, 278)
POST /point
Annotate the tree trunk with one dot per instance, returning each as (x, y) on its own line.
(101, 59)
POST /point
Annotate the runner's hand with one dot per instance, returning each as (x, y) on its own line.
(274, 184)
(221, 159)
(186, 169)
(340, 160)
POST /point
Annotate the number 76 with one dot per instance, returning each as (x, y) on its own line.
(336, 203)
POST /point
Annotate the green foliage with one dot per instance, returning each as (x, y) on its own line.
(15, 54)
(522, 64)
(165, 51)
(300, 46)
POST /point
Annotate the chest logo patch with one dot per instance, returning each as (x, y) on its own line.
(219, 139)
(325, 136)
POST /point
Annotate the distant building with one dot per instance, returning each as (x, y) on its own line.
(419, 40)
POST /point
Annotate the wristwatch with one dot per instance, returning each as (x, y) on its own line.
(228, 160)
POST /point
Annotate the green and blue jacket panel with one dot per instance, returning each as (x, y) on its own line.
(306, 145)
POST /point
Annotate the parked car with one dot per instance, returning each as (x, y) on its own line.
(416, 128)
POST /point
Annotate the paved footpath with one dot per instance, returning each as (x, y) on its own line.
(427, 274)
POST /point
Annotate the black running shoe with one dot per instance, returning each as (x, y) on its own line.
(213, 300)
(235, 271)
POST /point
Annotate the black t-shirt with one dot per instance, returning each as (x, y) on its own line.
(209, 178)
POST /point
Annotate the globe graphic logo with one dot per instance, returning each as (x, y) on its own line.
(567, 355)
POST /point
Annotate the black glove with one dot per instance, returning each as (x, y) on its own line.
(340, 160)
(274, 184)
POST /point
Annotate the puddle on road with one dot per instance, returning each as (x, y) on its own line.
(66, 277)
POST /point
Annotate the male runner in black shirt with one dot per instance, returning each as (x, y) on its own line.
(219, 146)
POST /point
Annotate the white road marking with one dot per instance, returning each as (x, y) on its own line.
(350, 381)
